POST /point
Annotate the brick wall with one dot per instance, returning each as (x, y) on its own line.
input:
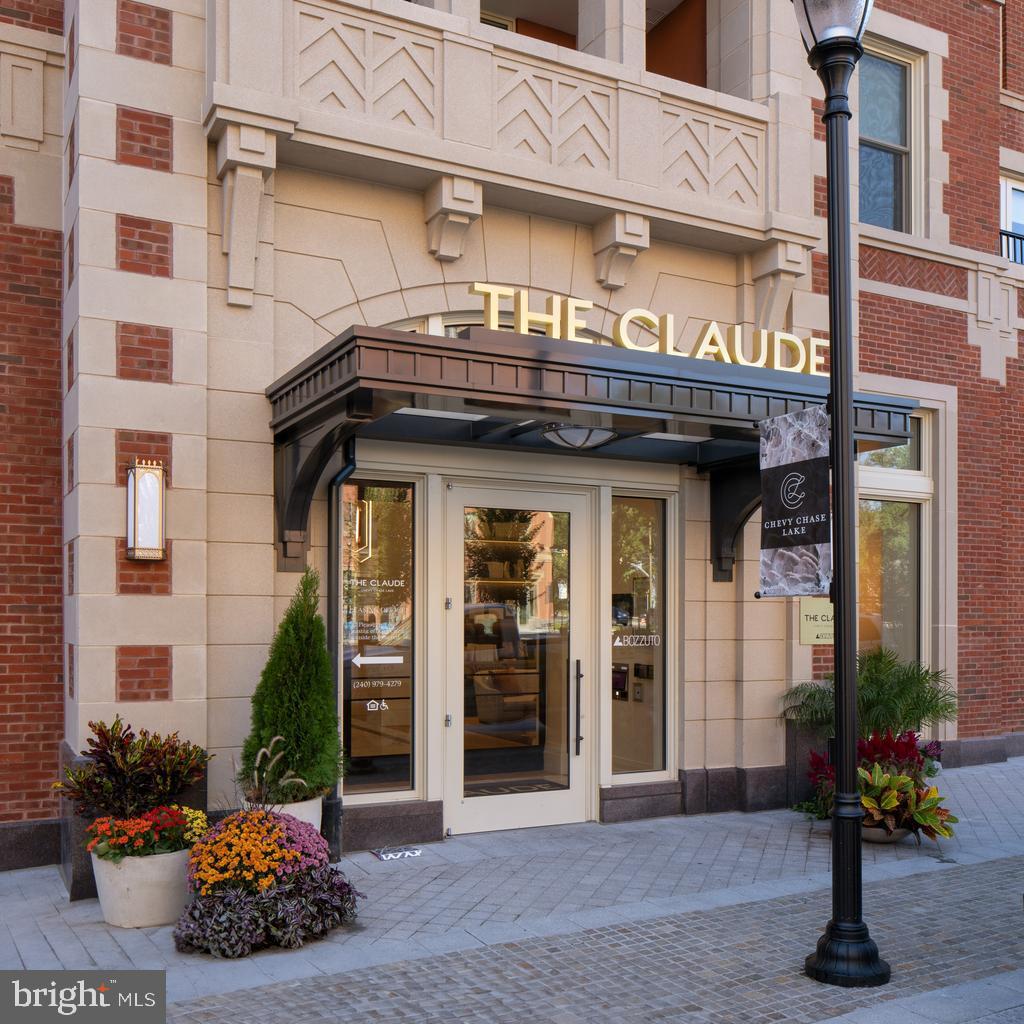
(42, 15)
(144, 673)
(143, 32)
(140, 444)
(144, 139)
(144, 246)
(31, 553)
(142, 576)
(144, 352)
(923, 342)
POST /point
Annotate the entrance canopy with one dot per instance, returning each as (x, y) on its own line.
(499, 390)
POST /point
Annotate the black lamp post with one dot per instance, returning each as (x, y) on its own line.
(846, 955)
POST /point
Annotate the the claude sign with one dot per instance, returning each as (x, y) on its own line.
(725, 343)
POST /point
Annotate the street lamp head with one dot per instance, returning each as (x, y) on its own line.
(832, 21)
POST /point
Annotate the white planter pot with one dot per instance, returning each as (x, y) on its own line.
(304, 810)
(141, 892)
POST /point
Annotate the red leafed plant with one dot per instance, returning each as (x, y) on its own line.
(884, 748)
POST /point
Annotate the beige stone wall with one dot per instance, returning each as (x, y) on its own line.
(335, 252)
(99, 403)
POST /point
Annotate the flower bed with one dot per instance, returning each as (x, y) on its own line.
(261, 879)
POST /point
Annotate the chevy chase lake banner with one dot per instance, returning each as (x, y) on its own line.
(796, 527)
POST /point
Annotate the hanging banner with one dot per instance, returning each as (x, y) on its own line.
(796, 526)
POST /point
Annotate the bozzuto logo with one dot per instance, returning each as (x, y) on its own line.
(132, 997)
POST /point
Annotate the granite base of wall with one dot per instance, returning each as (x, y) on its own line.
(982, 750)
(29, 844)
(712, 790)
(374, 826)
(643, 800)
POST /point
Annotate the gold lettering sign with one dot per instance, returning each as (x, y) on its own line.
(724, 343)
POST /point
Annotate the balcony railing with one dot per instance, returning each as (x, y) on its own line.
(1013, 246)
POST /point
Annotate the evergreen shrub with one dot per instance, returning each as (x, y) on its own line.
(295, 700)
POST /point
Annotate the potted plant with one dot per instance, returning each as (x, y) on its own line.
(897, 805)
(294, 706)
(896, 797)
(892, 696)
(140, 864)
(258, 879)
(138, 845)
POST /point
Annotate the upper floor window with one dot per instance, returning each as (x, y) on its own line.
(884, 143)
(1012, 219)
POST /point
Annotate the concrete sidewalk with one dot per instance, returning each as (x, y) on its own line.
(474, 893)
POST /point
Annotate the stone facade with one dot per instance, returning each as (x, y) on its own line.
(233, 195)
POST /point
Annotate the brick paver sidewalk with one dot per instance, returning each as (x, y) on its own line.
(481, 893)
(723, 966)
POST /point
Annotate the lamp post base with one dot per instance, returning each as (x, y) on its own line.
(848, 957)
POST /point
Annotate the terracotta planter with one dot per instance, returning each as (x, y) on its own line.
(304, 810)
(879, 835)
(141, 892)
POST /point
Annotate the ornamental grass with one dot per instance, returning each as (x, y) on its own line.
(253, 850)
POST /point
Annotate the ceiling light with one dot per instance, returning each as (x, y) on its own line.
(578, 438)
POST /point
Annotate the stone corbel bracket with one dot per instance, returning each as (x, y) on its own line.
(775, 269)
(451, 204)
(246, 157)
(618, 240)
(993, 322)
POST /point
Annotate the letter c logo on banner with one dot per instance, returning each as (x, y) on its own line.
(790, 493)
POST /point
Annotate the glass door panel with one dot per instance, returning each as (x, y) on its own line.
(516, 658)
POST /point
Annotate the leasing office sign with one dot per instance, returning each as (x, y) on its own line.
(796, 527)
(724, 343)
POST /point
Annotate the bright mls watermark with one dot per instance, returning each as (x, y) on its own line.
(38, 997)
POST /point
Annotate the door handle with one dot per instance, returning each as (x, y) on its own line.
(579, 693)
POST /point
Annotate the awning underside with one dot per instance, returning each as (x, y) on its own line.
(498, 390)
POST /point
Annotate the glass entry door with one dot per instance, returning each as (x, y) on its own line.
(517, 635)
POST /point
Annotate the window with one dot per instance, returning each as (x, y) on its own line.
(895, 489)
(1012, 232)
(884, 143)
(377, 634)
(497, 21)
(638, 634)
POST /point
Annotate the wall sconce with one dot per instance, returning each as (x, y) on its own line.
(145, 539)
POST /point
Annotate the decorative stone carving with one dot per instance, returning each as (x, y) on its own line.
(993, 327)
(246, 156)
(775, 269)
(618, 240)
(21, 100)
(348, 64)
(712, 155)
(451, 204)
(557, 118)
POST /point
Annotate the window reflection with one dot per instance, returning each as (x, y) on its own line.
(377, 635)
(889, 595)
(637, 635)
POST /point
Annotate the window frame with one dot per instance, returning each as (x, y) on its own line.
(916, 487)
(418, 754)
(911, 193)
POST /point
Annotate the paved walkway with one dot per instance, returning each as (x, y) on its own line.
(486, 901)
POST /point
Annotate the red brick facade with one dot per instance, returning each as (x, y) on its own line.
(143, 32)
(144, 139)
(142, 576)
(144, 673)
(144, 246)
(31, 470)
(144, 353)
(41, 15)
(140, 444)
